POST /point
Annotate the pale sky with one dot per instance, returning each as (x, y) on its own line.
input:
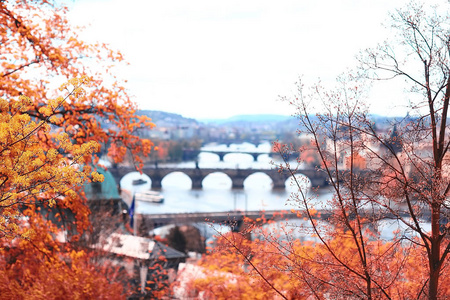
(216, 59)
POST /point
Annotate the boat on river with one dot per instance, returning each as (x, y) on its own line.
(149, 196)
(139, 181)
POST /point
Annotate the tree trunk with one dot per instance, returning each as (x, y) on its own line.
(435, 254)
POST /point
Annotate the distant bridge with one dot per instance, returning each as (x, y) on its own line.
(223, 153)
(237, 176)
(236, 217)
(231, 218)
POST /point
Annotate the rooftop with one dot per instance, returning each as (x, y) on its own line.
(138, 247)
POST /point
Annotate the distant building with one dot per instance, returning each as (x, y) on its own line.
(359, 162)
(394, 143)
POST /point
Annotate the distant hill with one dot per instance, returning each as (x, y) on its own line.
(162, 118)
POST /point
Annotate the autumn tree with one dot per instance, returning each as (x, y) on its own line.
(227, 272)
(38, 42)
(50, 137)
(417, 177)
(409, 186)
(194, 240)
(30, 174)
(384, 234)
(274, 265)
(34, 178)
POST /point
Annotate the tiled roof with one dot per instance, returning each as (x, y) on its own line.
(138, 247)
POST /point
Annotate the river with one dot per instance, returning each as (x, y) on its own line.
(217, 194)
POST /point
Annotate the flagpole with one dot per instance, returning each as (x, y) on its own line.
(135, 219)
(132, 212)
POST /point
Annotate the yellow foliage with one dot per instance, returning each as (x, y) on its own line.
(28, 173)
(43, 141)
(96, 177)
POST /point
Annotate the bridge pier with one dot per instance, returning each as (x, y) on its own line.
(279, 183)
(221, 156)
(255, 156)
(237, 183)
(197, 182)
(156, 183)
(156, 179)
(319, 181)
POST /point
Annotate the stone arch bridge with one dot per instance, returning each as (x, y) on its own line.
(237, 176)
(222, 154)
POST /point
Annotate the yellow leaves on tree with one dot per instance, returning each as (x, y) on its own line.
(46, 138)
(28, 173)
(33, 263)
(37, 42)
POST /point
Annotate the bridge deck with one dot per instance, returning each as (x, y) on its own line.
(156, 220)
(237, 176)
(217, 217)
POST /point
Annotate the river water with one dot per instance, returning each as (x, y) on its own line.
(217, 194)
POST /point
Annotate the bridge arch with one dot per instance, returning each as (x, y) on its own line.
(178, 180)
(299, 180)
(240, 157)
(258, 180)
(217, 180)
(209, 156)
(135, 182)
(237, 175)
(231, 155)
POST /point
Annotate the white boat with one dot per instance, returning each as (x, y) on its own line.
(149, 196)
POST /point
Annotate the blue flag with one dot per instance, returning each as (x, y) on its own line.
(131, 212)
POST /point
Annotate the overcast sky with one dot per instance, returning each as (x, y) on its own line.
(216, 59)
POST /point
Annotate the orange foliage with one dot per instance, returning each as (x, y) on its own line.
(43, 141)
(163, 152)
(41, 268)
(31, 174)
(37, 40)
(34, 264)
(309, 156)
(299, 270)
